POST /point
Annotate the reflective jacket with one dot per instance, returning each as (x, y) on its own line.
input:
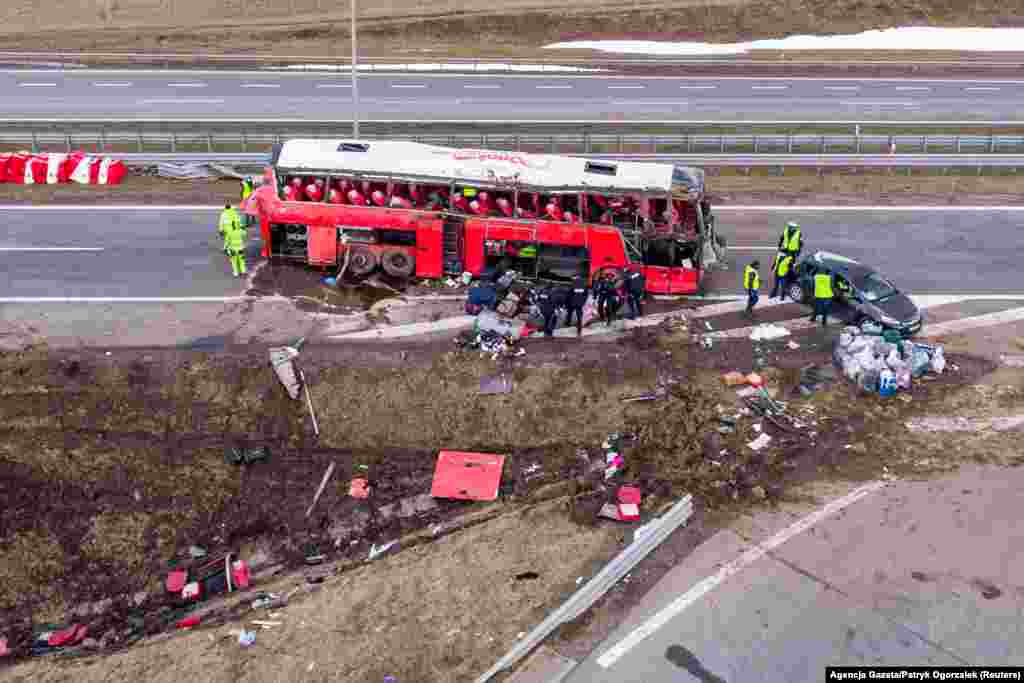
(782, 264)
(823, 286)
(790, 240)
(235, 238)
(228, 218)
(246, 189)
(751, 278)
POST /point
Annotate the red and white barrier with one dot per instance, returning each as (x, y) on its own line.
(52, 168)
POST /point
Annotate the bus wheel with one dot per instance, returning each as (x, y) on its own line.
(398, 263)
(363, 261)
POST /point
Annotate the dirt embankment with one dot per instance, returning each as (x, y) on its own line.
(320, 27)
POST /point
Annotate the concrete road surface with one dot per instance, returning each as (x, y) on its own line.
(424, 96)
(916, 573)
(173, 252)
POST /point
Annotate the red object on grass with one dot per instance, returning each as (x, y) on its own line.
(239, 574)
(629, 495)
(629, 512)
(4, 650)
(188, 622)
(72, 635)
(467, 476)
(176, 580)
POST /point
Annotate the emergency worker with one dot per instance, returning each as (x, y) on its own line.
(823, 295)
(228, 218)
(752, 283)
(792, 240)
(546, 303)
(608, 301)
(635, 285)
(247, 190)
(782, 268)
(577, 300)
(235, 243)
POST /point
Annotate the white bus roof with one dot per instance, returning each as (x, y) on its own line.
(475, 166)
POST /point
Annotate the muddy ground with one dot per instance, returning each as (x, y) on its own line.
(727, 186)
(115, 465)
(320, 27)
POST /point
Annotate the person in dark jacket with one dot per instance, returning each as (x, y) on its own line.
(546, 303)
(577, 299)
(635, 286)
(608, 301)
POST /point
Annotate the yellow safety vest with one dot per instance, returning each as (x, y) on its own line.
(246, 190)
(782, 265)
(528, 252)
(751, 278)
(235, 239)
(469, 192)
(791, 240)
(823, 286)
(228, 218)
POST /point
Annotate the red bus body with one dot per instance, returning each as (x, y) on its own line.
(439, 242)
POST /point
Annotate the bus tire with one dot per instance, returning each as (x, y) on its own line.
(398, 262)
(363, 261)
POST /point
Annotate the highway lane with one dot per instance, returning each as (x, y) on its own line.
(171, 253)
(422, 96)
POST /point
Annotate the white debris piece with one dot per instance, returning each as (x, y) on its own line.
(768, 331)
(760, 442)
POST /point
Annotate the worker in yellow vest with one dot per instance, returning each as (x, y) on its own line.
(823, 295)
(792, 240)
(782, 268)
(247, 189)
(235, 244)
(228, 217)
(752, 283)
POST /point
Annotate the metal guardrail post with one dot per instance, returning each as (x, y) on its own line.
(67, 143)
(588, 146)
(209, 143)
(858, 140)
(958, 144)
(755, 145)
(138, 138)
(654, 145)
(102, 142)
(35, 143)
(689, 143)
(552, 145)
(245, 142)
(721, 144)
(992, 144)
(789, 143)
(619, 141)
(518, 146)
(924, 144)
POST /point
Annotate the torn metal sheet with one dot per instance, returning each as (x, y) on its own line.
(467, 476)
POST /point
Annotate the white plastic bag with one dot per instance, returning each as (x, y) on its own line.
(938, 361)
(903, 377)
(858, 344)
(894, 359)
(845, 338)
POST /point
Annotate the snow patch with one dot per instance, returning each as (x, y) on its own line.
(906, 38)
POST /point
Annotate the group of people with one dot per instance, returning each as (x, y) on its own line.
(785, 270)
(608, 290)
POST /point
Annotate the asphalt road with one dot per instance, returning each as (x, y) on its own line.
(916, 574)
(423, 96)
(171, 253)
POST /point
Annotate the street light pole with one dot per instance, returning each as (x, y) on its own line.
(355, 81)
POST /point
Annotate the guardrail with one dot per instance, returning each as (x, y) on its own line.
(596, 138)
(646, 539)
(169, 60)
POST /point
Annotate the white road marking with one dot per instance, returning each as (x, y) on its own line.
(963, 324)
(112, 85)
(37, 85)
(986, 88)
(553, 87)
(186, 85)
(684, 601)
(740, 247)
(181, 101)
(913, 87)
(626, 87)
(768, 87)
(408, 85)
(51, 248)
(697, 87)
(842, 87)
(131, 300)
(261, 85)
(334, 85)
(482, 87)
(876, 103)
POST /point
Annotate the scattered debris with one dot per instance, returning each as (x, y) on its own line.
(653, 396)
(760, 442)
(188, 622)
(815, 377)
(467, 476)
(734, 378)
(4, 650)
(863, 358)
(320, 490)
(754, 379)
(526, 576)
(246, 455)
(497, 384)
(768, 331)
(282, 360)
(359, 488)
(195, 552)
(963, 424)
(792, 345)
(376, 552)
(268, 601)
(246, 638)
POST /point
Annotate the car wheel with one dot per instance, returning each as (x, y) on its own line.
(796, 293)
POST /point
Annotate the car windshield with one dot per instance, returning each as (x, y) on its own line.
(876, 288)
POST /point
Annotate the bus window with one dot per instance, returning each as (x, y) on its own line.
(561, 263)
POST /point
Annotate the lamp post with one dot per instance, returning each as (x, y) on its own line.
(355, 82)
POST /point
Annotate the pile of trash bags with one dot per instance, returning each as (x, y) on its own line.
(864, 358)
